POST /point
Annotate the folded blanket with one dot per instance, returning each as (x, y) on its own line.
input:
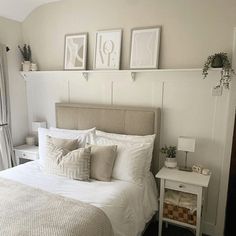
(26, 211)
(181, 199)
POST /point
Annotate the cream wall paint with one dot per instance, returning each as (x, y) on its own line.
(191, 30)
(10, 34)
(187, 106)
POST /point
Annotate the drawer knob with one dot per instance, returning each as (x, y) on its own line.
(23, 154)
(181, 186)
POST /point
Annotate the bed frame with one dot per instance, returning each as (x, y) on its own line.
(113, 119)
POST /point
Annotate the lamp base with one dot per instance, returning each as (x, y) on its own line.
(185, 168)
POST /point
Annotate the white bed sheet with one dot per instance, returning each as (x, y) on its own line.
(127, 205)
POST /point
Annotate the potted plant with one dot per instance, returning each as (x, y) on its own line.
(26, 54)
(170, 153)
(219, 60)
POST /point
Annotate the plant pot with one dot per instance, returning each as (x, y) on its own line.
(217, 62)
(26, 65)
(171, 163)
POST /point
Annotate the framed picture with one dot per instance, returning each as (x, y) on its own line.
(108, 50)
(145, 44)
(75, 52)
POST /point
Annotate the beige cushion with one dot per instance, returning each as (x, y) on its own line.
(102, 162)
(62, 160)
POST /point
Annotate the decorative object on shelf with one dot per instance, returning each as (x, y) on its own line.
(219, 60)
(145, 47)
(26, 54)
(186, 144)
(35, 126)
(108, 49)
(75, 51)
(197, 169)
(206, 172)
(30, 140)
(33, 67)
(170, 152)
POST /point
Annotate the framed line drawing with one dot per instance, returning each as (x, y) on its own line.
(145, 47)
(75, 57)
(107, 50)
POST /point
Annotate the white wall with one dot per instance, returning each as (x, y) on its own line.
(188, 108)
(191, 30)
(11, 35)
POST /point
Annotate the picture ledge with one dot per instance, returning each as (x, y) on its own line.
(85, 73)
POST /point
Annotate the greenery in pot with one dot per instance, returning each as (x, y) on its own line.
(25, 52)
(218, 60)
(170, 151)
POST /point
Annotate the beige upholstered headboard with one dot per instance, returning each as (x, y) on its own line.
(113, 119)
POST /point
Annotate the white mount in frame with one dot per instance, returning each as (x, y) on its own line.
(108, 50)
(145, 46)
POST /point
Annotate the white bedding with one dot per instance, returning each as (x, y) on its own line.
(128, 206)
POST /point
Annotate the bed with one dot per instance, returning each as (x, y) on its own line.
(128, 207)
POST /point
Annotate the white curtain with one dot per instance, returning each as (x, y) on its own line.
(6, 147)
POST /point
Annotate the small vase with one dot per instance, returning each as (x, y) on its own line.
(171, 163)
(33, 67)
(26, 65)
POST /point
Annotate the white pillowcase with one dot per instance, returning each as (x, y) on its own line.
(42, 134)
(131, 161)
(149, 139)
(90, 133)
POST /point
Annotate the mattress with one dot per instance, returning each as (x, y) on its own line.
(128, 206)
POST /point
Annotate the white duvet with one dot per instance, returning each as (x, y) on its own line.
(128, 206)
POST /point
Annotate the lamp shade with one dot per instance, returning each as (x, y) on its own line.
(38, 124)
(186, 144)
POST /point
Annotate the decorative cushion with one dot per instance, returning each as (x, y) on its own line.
(42, 133)
(130, 164)
(61, 160)
(102, 162)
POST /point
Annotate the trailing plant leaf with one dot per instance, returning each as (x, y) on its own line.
(225, 61)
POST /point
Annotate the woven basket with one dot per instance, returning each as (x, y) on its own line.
(181, 214)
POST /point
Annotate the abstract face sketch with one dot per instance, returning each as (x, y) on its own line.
(107, 51)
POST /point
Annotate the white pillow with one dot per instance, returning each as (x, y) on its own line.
(149, 139)
(42, 134)
(130, 163)
(90, 137)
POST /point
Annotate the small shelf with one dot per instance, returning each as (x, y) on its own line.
(85, 73)
(179, 223)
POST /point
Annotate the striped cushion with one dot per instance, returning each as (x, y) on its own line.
(61, 160)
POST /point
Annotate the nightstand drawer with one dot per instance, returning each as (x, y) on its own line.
(178, 186)
(26, 155)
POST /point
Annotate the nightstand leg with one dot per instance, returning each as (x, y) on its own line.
(161, 207)
(199, 211)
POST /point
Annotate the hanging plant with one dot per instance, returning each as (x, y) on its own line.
(219, 60)
(25, 52)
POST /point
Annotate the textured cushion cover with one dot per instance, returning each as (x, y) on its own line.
(60, 160)
(102, 162)
(42, 133)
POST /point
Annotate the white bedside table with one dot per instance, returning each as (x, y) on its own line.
(26, 152)
(188, 182)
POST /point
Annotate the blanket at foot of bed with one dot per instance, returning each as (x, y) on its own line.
(27, 211)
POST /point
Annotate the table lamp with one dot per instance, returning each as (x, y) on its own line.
(186, 144)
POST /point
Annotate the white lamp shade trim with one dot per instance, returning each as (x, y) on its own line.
(38, 124)
(186, 144)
